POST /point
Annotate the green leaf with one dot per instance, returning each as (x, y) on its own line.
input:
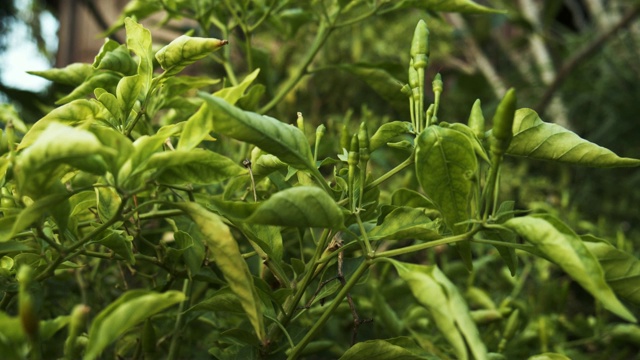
(103, 79)
(108, 202)
(268, 238)
(33, 213)
(402, 348)
(108, 46)
(549, 356)
(197, 166)
(110, 102)
(127, 92)
(193, 255)
(234, 93)
(72, 75)
(300, 206)
(562, 246)
(537, 139)
(387, 132)
(120, 244)
(184, 51)
(433, 290)
(127, 311)
(405, 223)
(141, 9)
(285, 141)
(410, 198)
(381, 81)
(229, 260)
(118, 60)
(121, 145)
(178, 85)
(621, 269)
(507, 253)
(477, 144)
(461, 6)
(139, 41)
(196, 128)
(58, 144)
(446, 165)
(74, 113)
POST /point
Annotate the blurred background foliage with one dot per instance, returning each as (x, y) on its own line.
(563, 50)
(573, 61)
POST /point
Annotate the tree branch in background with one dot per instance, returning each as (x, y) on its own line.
(583, 55)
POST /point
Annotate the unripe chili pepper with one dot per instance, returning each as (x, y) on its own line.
(344, 137)
(437, 86)
(414, 83)
(420, 45)
(26, 310)
(320, 131)
(476, 120)
(78, 316)
(300, 122)
(363, 141)
(353, 160)
(503, 123)
(509, 330)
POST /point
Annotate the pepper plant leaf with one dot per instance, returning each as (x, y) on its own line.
(397, 348)
(537, 139)
(72, 75)
(446, 164)
(461, 6)
(621, 269)
(184, 51)
(197, 166)
(229, 260)
(405, 223)
(139, 41)
(387, 132)
(381, 81)
(562, 246)
(433, 290)
(127, 311)
(285, 141)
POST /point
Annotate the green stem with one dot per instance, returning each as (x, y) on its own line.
(365, 238)
(6, 299)
(175, 345)
(322, 34)
(491, 187)
(391, 172)
(427, 245)
(295, 353)
(321, 180)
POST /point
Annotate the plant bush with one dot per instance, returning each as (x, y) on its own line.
(143, 218)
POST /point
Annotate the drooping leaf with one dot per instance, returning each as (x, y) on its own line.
(537, 139)
(285, 141)
(387, 132)
(184, 51)
(433, 290)
(32, 213)
(127, 311)
(621, 269)
(229, 260)
(446, 165)
(562, 246)
(405, 223)
(197, 166)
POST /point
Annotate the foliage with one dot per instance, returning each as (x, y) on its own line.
(178, 223)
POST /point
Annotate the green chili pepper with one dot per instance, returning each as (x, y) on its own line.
(300, 121)
(509, 330)
(353, 160)
(476, 120)
(320, 131)
(503, 123)
(363, 141)
(344, 137)
(420, 46)
(76, 322)
(437, 87)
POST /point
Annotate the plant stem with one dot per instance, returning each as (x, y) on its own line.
(365, 238)
(295, 353)
(391, 172)
(322, 34)
(173, 348)
(427, 245)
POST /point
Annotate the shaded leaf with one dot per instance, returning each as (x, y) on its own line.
(381, 81)
(118, 59)
(405, 223)
(461, 6)
(31, 214)
(118, 243)
(402, 348)
(621, 269)
(229, 260)
(562, 246)
(127, 311)
(72, 75)
(103, 79)
(537, 139)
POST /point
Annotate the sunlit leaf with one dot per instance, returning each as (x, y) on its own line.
(72, 75)
(184, 51)
(537, 139)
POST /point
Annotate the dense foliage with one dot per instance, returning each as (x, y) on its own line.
(151, 216)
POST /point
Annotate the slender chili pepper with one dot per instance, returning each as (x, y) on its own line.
(476, 120)
(437, 87)
(353, 160)
(363, 140)
(503, 123)
(420, 60)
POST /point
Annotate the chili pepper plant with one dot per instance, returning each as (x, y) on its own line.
(145, 218)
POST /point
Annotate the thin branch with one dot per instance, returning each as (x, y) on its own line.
(582, 55)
